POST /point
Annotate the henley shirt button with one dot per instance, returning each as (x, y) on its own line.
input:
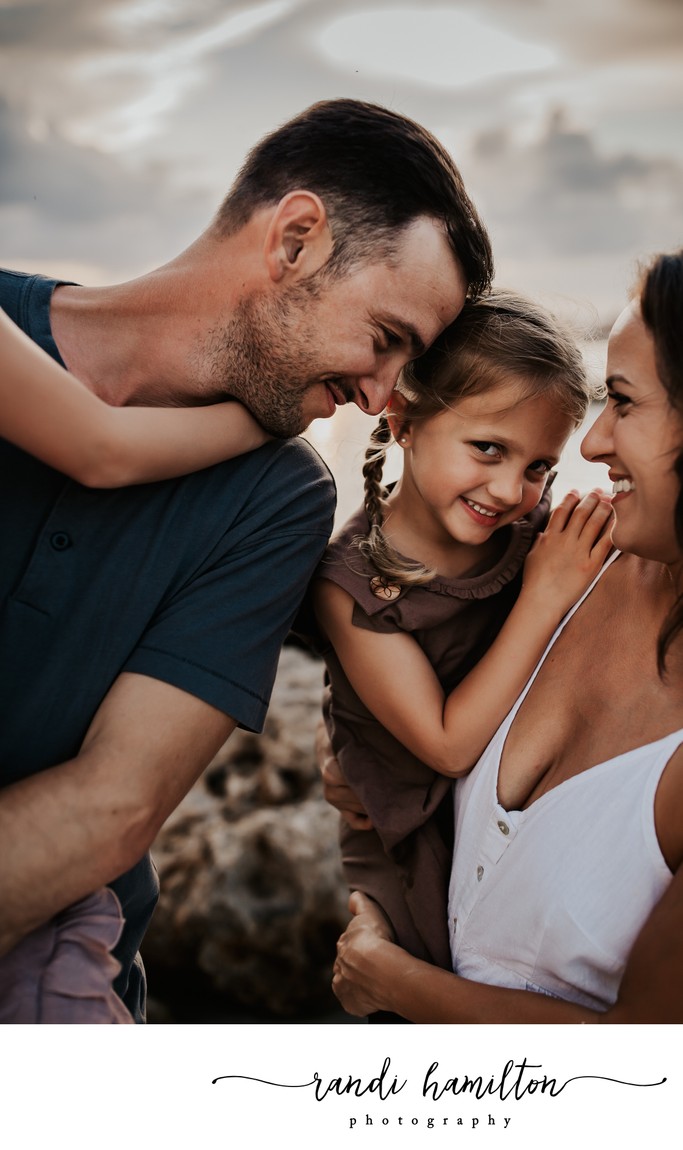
(480, 873)
(503, 827)
(60, 541)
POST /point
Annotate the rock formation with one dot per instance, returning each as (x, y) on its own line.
(252, 895)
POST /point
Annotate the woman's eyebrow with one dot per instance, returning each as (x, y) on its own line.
(616, 378)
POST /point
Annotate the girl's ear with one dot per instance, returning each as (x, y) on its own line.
(396, 417)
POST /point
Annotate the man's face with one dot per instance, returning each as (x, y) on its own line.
(294, 356)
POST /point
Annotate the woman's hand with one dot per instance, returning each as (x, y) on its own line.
(357, 980)
(568, 555)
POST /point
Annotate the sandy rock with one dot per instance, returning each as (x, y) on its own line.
(253, 899)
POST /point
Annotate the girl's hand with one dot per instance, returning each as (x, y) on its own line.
(359, 950)
(568, 555)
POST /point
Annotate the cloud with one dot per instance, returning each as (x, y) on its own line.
(431, 45)
(111, 71)
(560, 203)
(559, 194)
(62, 202)
(590, 31)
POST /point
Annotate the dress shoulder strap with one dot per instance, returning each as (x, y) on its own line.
(557, 632)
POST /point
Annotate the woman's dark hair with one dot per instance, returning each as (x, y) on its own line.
(661, 305)
(497, 339)
(376, 171)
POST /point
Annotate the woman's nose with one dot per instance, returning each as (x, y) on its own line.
(597, 442)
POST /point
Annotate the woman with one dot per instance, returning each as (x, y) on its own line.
(566, 898)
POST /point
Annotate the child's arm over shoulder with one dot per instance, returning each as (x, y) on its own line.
(396, 682)
(46, 411)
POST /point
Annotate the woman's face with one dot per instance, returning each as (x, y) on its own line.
(638, 436)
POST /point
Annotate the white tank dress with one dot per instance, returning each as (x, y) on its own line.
(551, 899)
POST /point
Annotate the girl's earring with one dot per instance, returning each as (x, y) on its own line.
(403, 438)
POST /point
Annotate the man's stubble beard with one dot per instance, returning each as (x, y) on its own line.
(263, 358)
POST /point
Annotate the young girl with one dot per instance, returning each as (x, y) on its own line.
(48, 413)
(64, 970)
(433, 617)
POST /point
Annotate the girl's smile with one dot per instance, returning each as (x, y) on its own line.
(480, 514)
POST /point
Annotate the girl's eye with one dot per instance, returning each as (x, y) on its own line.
(540, 467)
(490, 450)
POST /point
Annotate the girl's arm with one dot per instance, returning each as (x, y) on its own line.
(47, 412)
(372, 973)
(396, 682)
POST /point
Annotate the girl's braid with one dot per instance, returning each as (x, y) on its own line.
(375, 457)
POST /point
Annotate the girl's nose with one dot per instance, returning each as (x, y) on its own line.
(506, 486)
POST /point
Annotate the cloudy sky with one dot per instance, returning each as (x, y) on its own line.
(122, 122)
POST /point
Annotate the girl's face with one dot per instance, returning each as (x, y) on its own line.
(483, 463)
(638, 435)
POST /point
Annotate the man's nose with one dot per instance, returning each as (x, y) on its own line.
(597, 442)
(373, 391)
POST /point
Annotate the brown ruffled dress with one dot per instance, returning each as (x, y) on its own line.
(404, 863)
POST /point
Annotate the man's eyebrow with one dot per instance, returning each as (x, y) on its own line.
(417, 344)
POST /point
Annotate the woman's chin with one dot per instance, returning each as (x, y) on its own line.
(658, 550)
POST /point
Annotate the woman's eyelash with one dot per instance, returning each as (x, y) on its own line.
(618, 398)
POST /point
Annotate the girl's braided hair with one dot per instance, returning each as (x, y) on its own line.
(497, 339)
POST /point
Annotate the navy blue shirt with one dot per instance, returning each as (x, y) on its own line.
(193, 581)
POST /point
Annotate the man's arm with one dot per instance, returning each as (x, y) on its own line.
(80, 824)
(336, 790)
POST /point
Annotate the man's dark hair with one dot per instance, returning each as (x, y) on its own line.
(376, 172)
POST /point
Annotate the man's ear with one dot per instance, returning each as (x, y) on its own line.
(396, 415)
(298, 241)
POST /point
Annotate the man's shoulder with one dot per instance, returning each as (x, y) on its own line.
(300, 455)
(13, 288)
(288, 469)
(282, 487)
(25, 298)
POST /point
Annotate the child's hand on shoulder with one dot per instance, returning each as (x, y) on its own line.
(568, 555)
(239, 422)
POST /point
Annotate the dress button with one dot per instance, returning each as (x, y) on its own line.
(503, 827)
(480, 873)
(60, 541)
